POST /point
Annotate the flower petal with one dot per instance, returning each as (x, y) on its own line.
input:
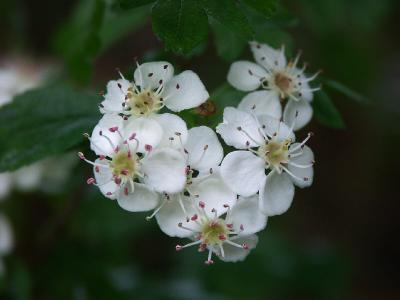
(171, 214)
(277, 194)
(102, 138)
(140, 199)
(104, 179)
(175, 131)
(243, 172)
(6, 236)
(164, 170)
(148, 75)
(204, 149)
(234, 254)
(240, 129)
(184, 91)
(29, 177)
(115, 96)
(275, 128)
(213, 192)
(246, 212)
(5, 185)
(303, 110)
(246, 76)
(306, 158)
(262, 103)
(268, 57)
(147, 132)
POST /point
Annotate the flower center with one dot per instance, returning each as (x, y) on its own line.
(275, 153)
(124, 164)
(283, 82)
(144, 103)
(214, 232)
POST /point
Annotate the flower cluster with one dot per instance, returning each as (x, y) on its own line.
(148, 160)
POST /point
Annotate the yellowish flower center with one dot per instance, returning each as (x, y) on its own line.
(283, 82)
(144, 103)
(275, 153)
(214, 232)
(124, 164)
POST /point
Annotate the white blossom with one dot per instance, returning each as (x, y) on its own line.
(279, 80)
(6, 240)
(230, 237)
(268, 145)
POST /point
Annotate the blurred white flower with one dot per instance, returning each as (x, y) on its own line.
(288, 162)
(6, 240)
(279, 80)
(130, 167)
(231, 237)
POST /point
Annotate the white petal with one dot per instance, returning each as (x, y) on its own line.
(115, 96)
(98, 142)
(268, 57)
(165, 170)
(5, 185)
(276, 129)
(303, 110)
(307, 158)
(234, 254)
(235, 119)
(6, 236)
(148, 75)
(213, 192)
(171, 125)
(277, 194)
(140, 199)
(147, 132)
(29, 178)
(104, 176)
(306, 93)
(247, 212)
(243, 172)
(184, 91)
(204, 149)
(171, 214)
(246, 76)
(262, 103)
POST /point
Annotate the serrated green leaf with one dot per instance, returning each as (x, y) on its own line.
(44, 122)
(180, 24)
(129, 4)
(265, 7)
(337, 86)
(326, 112)
(228, 13)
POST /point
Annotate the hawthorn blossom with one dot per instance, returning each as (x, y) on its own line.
(203, 153)
(6, 240)
(230, 237)
(267, 145)
(130, 168)
(279, 80)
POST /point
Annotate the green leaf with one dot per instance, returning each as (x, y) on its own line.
(228, 13)
(337, 86)
(326, 112)
(265, 7)
(44, 122)
(180, 24)
(129, 4)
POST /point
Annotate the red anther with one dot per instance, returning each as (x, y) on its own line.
(97, 169)
(305, 178)
(125, 172)
(226, 205)
(245, 246)
(213, 210)
(202, 204)
(178, 247)
(222, 237)
(180, 224)
(194, 217)
(113, 129)
(108, 193)
(230, 226)
(117, 180)
(202, 247)
(116, 150)
(81, 155)
(209, 262)
(148, 147)
(90, 180)
(187, 171)
(101, 157)
(241, 227)
(126, 191)
(132, 137)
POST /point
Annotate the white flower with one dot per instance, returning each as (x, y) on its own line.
(130, 167)
(279, 79)
(6, 240)
(203, 154)
(288, 162)
(230, 238)
(5, 185)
